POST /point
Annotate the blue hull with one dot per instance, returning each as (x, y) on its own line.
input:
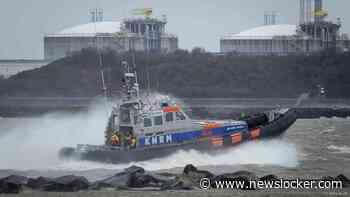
(216, 140)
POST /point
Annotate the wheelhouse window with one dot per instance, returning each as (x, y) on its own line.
(158, 120)
(180, 116)
(169, 117)
(125, 116)
(147, 122)
(135, 120)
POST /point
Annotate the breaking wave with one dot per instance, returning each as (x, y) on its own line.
(33, 143)
(340, 149)
(271, 152)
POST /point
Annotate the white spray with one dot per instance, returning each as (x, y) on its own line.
(34, 143)
(271, 152)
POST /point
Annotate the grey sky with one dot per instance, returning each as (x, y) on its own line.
(196, 22)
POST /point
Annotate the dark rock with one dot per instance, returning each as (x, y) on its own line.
(12, 184)
(38, 183)
(345, 180)
(270, 177)
(120, 180)
(149, 180)
(327, 178)
(68, 183)
(166, 174)
(134, 169)
(22, 180)
(189, 168)
(9, 188)
(142, 180)
(246, 174)
(196, 175)
(178, 184)
(134, 177)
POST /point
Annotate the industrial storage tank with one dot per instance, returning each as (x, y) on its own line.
(280, 39)
(140, 34)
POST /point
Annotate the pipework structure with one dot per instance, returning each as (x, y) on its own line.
(313, 34)
(137, 33)
(317, 28)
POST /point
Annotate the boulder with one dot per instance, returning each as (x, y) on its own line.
(38, 183)
(22, 180)
(248, 175)
(189, 168)
(9, 188)
(269, 177)
(195, 175)
(138, 180)
(135, 177)
(134, 169)
(68, 183)
(328, 178)
(345, 180)
(12, 184)
(121, 180)
(142, 180)
(179, 183)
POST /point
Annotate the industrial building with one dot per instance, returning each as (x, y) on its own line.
(138, 33)
(312, 34)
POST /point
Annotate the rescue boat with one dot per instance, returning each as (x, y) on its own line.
(142, 128)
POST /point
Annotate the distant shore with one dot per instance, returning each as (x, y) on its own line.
(29, 106)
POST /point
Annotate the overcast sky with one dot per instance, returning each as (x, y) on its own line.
(196, 22)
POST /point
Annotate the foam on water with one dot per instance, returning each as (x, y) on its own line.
(34, 144)
(340, 149)
(272, 152)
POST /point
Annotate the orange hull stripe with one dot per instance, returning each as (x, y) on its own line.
(171, 109)
(236, 138)
(255, 133)
(211, 125)
(217, 143)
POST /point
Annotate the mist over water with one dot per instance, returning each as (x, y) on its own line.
(34, 144)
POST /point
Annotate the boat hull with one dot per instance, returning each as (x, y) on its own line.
(209, 144)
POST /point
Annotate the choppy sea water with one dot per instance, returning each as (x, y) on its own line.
(310, 148)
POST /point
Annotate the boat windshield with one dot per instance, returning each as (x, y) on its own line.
(158, 120)
(169, 117)
(147, 122)
(180, 116)
(125, 116)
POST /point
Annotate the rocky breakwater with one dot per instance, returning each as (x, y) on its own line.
(136, 178)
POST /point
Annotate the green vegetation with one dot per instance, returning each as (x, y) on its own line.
(189, 74)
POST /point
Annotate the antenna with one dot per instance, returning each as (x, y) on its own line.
(148, 82)
(97, 16)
